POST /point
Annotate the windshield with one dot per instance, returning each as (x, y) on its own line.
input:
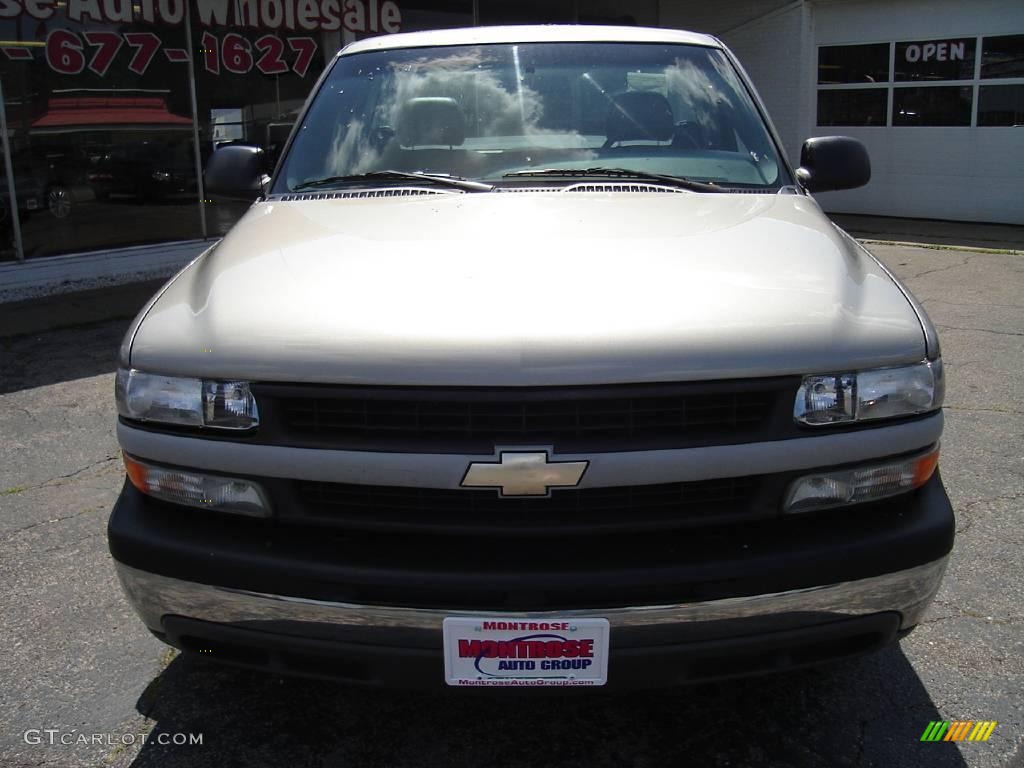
(500, 113)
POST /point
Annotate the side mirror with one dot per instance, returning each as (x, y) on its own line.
(833, 162)
(236, 171)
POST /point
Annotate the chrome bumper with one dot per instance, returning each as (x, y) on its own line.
(909, 592)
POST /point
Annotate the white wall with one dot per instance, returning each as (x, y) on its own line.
(971, 174)
(968, 174)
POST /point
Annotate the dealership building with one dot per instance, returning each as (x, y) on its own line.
(112, 107)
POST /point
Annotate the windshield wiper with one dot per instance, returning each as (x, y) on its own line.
(456, 182)
(621, 173)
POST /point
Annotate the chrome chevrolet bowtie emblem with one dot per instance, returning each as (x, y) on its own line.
(524, 473)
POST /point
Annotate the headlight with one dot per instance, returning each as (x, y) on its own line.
(869, 482)
(882, 393)
(185, 402)
(196, 489)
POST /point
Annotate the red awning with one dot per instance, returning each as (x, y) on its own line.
(109, 112)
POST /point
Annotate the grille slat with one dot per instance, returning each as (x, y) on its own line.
(414, 418)
(568, 511)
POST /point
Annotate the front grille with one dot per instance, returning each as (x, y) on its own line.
(360, 194)
(567, 512)
(569, 418)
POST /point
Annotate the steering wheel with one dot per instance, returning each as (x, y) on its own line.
(687, 135)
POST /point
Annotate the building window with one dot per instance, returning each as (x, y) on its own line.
(852, 106)
(1002, 56)
(853, 64)
(106, 146)
(250, 86)
(933, 83)
(436, 14)
(932, 106)
(642, 13)
(496, 12)
(100, 129)
(930, 60)
(1001, 105)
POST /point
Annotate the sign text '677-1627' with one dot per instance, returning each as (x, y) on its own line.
(71, 53)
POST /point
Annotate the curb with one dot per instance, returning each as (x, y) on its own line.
(942, 246)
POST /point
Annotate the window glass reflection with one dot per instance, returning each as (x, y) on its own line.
(1001, 105)
(943, 106)
(853, 63)
(489, 110)
(861, 106)
(100, 129)
(1002, 56)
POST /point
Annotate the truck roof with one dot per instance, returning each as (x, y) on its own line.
(538, 33)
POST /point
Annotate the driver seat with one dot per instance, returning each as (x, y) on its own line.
(638, 116)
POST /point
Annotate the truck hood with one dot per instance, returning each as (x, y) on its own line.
(532, 288)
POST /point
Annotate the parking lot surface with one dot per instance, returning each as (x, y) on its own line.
(75, 660)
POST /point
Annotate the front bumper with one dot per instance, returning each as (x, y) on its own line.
(821, 589)
(651, 645)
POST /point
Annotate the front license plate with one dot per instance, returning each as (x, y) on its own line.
(525, 652)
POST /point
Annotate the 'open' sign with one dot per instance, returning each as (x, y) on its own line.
(937, 51)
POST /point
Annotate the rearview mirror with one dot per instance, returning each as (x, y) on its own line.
(833, 162)
(236, 170)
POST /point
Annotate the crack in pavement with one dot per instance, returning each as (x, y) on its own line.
(978, 330)
(11, 535)
(861, 734)
(74, 543)
(31, 416)
(1001, 497)
(948, 267)
(18, 531)
(53, 480)
(927, 300)
(961, 613)
(962, 510)
(1007, 411)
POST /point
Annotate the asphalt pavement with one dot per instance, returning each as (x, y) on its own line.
(77, 666)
